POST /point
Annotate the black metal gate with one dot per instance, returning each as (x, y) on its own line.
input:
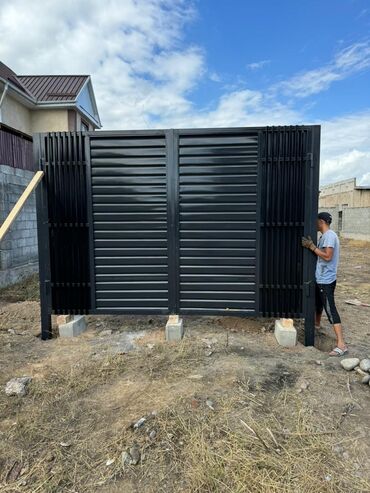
(204, 221)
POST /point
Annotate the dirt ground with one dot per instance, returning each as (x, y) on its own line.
(226, 409)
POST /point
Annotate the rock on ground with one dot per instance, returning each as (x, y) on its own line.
(132, 456)
(104, 333)
(365, 364)
(17, 386)
(366, 379)
(350, 363)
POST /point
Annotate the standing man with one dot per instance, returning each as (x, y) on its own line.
(327, 252)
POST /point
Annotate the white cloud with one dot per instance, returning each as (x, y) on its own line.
(215, 77)
(239, 108)
(258, 65)
(143, 73)
(345, 150)
(132, 49)
(364, 180)
(348, 61)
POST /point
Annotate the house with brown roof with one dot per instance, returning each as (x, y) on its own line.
(47, 103)
(30, 104)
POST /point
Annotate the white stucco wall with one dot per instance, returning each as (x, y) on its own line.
(16, 115)
(49, 120)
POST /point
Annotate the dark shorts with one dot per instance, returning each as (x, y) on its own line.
(325, 301)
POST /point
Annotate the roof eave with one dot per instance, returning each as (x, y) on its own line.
(30, 101)
(65, 102)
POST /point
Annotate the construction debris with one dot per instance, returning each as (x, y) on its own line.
(18, 386)
(131, 456)
(356, 302)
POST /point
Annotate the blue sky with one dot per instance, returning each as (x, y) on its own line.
(210, 63)
(256, 44)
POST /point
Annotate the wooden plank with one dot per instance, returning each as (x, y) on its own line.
(19, 205)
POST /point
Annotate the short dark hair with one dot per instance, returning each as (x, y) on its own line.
(325, 216)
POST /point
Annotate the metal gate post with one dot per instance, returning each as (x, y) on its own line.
(173, 238)
(311, 210)
(43, 241)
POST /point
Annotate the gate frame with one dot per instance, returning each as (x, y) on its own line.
(172, 173)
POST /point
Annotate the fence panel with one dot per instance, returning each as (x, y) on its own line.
(16, 149)
(205, 221)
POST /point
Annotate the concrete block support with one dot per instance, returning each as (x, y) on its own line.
(174, 328)
(73, 328)
(285, 332)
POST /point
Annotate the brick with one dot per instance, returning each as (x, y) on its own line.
(285, 332)
(63, 319)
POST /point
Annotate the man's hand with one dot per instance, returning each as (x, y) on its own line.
(308, 243)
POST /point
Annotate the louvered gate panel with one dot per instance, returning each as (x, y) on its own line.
(130, 222)
(218, 213)
(205, 221)
(65, 216)
(285, 162)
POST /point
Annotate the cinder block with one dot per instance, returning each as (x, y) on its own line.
(174, 328)
(18, 180)
(285, 332)
(6, 259)
(73, 328)
(6, 244)
(15, 274)
(23, 173)
(4, 168)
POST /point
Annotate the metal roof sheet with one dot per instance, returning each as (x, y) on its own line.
(48, 88)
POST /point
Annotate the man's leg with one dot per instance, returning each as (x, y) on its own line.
(327, 292)
(318, 306)
(339, 335)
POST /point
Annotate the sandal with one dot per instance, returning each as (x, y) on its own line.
(338, 351)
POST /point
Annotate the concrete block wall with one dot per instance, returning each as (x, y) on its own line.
(356, 223)
(18, 250)
(334, 213)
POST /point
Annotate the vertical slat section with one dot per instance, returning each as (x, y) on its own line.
(283, 164)
(65, 167)
(129, 194)
(310, 212)
(43, 238)
(218, 210)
